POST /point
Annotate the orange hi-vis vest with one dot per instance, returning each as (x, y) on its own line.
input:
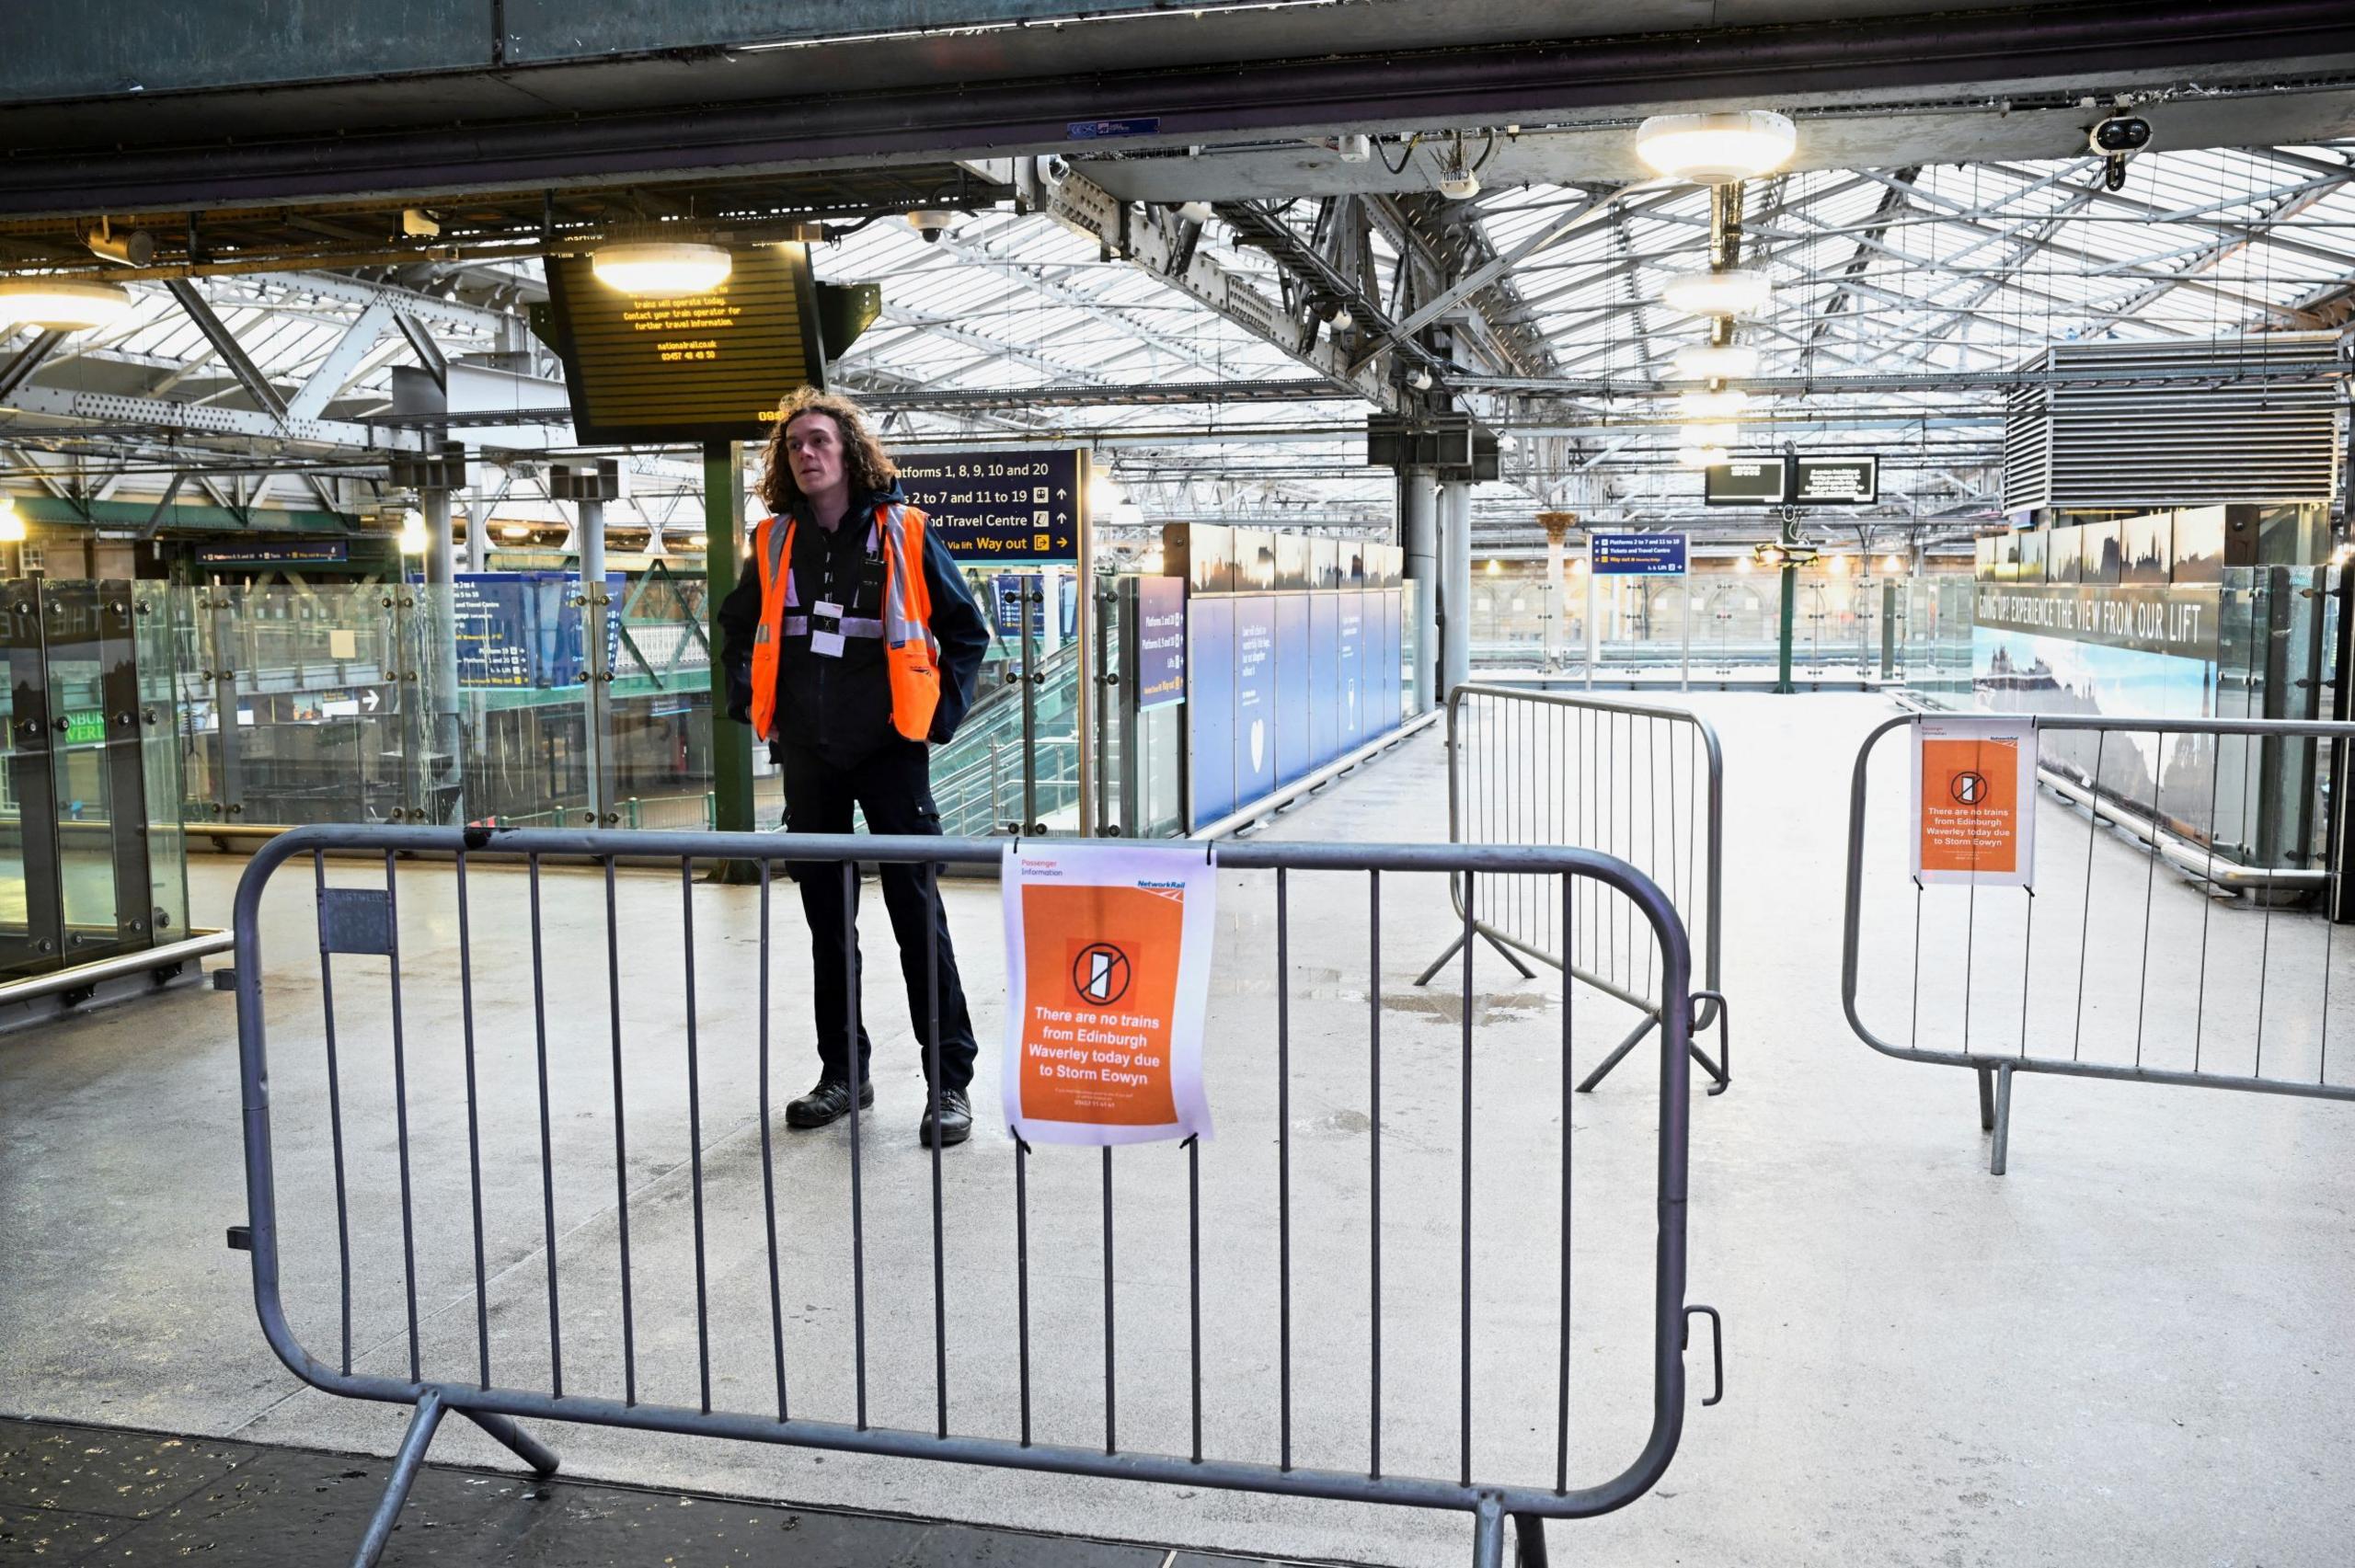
(910, 654)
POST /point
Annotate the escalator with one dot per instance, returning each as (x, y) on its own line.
(988, 779)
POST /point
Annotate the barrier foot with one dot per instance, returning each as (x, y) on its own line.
(1509, 956)
(2003, 1121)
(1440, 962)
(1619, 1054)
(530, 1449)
(1529, 1539)
(1489, 1538)
(1721, 1069)
(1986, 1099)
(421, 1426)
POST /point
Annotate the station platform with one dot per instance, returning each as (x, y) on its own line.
(2131, 1349)
(74, 1494)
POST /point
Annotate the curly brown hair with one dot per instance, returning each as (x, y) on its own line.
(867, 466)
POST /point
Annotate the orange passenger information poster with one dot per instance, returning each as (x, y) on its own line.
(1108, 975)
(1974, 801)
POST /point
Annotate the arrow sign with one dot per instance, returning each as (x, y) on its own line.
(370, 698)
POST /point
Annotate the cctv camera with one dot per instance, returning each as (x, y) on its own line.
(2119, 135)
(930, 224)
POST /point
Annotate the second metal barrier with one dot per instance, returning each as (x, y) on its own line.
(1643, 784)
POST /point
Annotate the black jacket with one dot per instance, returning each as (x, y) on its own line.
(841, 708)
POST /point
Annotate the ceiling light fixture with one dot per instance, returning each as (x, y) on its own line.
(1343, 321)
(1698, 407)
(12, 522)
(1737, 291)
(413, 536)
(1703, 456)
(61, 304)
(136, 248)
(516, 531)
(1715, 361)
(1891, 565)
(1716, 149)
(661, 269)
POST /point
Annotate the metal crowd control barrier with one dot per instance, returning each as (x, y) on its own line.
(511, 1076)
(2111, 967)
(1539, 767)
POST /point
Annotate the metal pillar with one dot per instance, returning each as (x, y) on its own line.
(1790, 574)
(1556, 525)
(1889, 628)
(1419, 529)
(732, 744)
(229, 789)
(1456, 556)
(596, 664)
(446, 773)
(1593, 615)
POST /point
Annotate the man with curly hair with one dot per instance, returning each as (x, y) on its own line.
(852, 648)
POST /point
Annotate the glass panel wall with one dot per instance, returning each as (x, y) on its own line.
(1722, 622)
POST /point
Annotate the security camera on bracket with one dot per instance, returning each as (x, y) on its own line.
(2117, 139)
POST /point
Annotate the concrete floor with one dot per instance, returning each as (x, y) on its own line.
(2132, 1349)
(77, 1493)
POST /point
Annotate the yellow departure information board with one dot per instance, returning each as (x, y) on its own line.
(702, 367)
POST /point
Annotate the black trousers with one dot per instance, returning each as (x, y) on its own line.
(893, 787)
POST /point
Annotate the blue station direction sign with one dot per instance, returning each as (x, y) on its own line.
(1637, 555)
(998, 504)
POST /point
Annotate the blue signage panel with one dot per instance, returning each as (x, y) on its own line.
(1255, 697)
(1352, 667)
(1006, 592)
(262, 554)
(1161, 641)
(1637, 555)
(1209, 698)
(492, 614)
(1008, 505)
(522, 629)
(1293, 758)
(1388, 693)
(1324, 678)
(1101, 130)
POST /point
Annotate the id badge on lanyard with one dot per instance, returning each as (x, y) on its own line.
(826, 629)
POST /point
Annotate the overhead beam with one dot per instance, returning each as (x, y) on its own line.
(28, 360)
(225, 344)
(1282, 73)
(429, 353)
(335, 372)
(1078, 204)
(151, 415)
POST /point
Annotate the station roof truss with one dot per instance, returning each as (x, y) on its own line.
(257, 365)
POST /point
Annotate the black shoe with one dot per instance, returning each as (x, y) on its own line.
(829, 1102)
(956, 1119)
